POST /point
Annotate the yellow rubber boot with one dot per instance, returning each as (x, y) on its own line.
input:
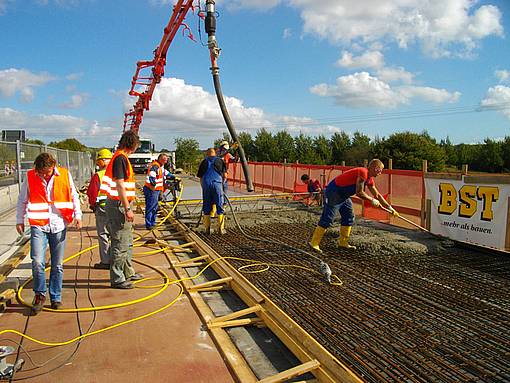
(317, 238)
(213, 211)
(221, 224)
(345, 233)
(207, 224)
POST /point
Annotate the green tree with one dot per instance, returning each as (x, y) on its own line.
(408, 150)
(305, 152)
(340, 143)
(450, 151)
(359, 150)
(505, 153)
(246, 141)
(35, 142)
(322, 148)
(285, 147)
(467, 155)
(265, 146)
(490, 157)
(226, 137)
(69, 144)
(187, 153)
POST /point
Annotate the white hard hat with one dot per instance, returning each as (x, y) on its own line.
(224, 144)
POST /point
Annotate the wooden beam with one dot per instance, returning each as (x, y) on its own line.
(238, 314)
(292, 372)
(235, 323)
(210, 283)
(194, 259)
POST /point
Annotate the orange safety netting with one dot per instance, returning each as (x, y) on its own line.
(402, 188)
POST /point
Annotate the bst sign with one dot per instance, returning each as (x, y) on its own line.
(475, 213)
(465, 201)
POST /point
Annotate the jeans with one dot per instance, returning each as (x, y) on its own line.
(151, 206)
(38, 243)
(333, 203)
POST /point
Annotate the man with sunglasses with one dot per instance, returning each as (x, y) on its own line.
(337, 198)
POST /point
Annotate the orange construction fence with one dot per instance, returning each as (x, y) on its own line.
(404, 189)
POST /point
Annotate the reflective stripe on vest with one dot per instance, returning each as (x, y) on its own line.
(159, 177)
(101, 195)
(108, 185)
(38, 209)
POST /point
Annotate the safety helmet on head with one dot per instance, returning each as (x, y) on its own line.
(225, 145)
(103, 154)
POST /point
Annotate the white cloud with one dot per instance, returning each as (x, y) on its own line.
(442, 27)
(60, 3)
(287, 33)
(179, 109)
(497, 98)
(75, 102)
(74, 76)
(21, 81)
(362, 90)
(502, 75)
(369, 59)
(429, 94)
(58, 127)
(394, 74)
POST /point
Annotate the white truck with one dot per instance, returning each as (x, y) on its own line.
(143, 156)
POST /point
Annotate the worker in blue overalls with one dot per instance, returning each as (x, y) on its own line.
(212, 174)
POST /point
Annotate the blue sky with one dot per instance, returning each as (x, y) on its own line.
(317, 67)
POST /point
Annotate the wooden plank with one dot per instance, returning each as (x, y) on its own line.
(444, 176)
(234, 360)
(238, 314)
(487, 179)
(211, 283)
(235, 323)
(194, 259)
(292, 372)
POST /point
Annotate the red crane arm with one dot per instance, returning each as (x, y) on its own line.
(143, 84)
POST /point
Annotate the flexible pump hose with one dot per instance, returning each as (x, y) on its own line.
(210, 27)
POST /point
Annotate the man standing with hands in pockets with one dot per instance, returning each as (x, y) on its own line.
(118, 184)
(49, 200)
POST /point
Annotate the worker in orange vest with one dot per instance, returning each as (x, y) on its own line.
(48, 198)
(119, 185)
(154, 185)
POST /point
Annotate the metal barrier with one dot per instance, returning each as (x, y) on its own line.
(16, 158)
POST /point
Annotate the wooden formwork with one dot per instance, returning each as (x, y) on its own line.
(314, 357)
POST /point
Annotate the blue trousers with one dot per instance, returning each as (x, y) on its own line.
(334, 203)
(212, 193)
(151, 206)
(38, 242)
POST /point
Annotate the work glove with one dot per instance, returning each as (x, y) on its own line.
(375, 202)
(393, 212)
(234, 146)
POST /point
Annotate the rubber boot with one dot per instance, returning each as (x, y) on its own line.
(221, 224)
(207, 224)
(345, 233)
(317, 238)
(213, 211)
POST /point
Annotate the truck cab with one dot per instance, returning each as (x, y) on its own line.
(143, 156)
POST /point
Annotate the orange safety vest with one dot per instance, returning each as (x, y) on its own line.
(108, 185)
(38, 209)
(159, 177)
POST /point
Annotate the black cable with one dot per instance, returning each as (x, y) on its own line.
(19, 350)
